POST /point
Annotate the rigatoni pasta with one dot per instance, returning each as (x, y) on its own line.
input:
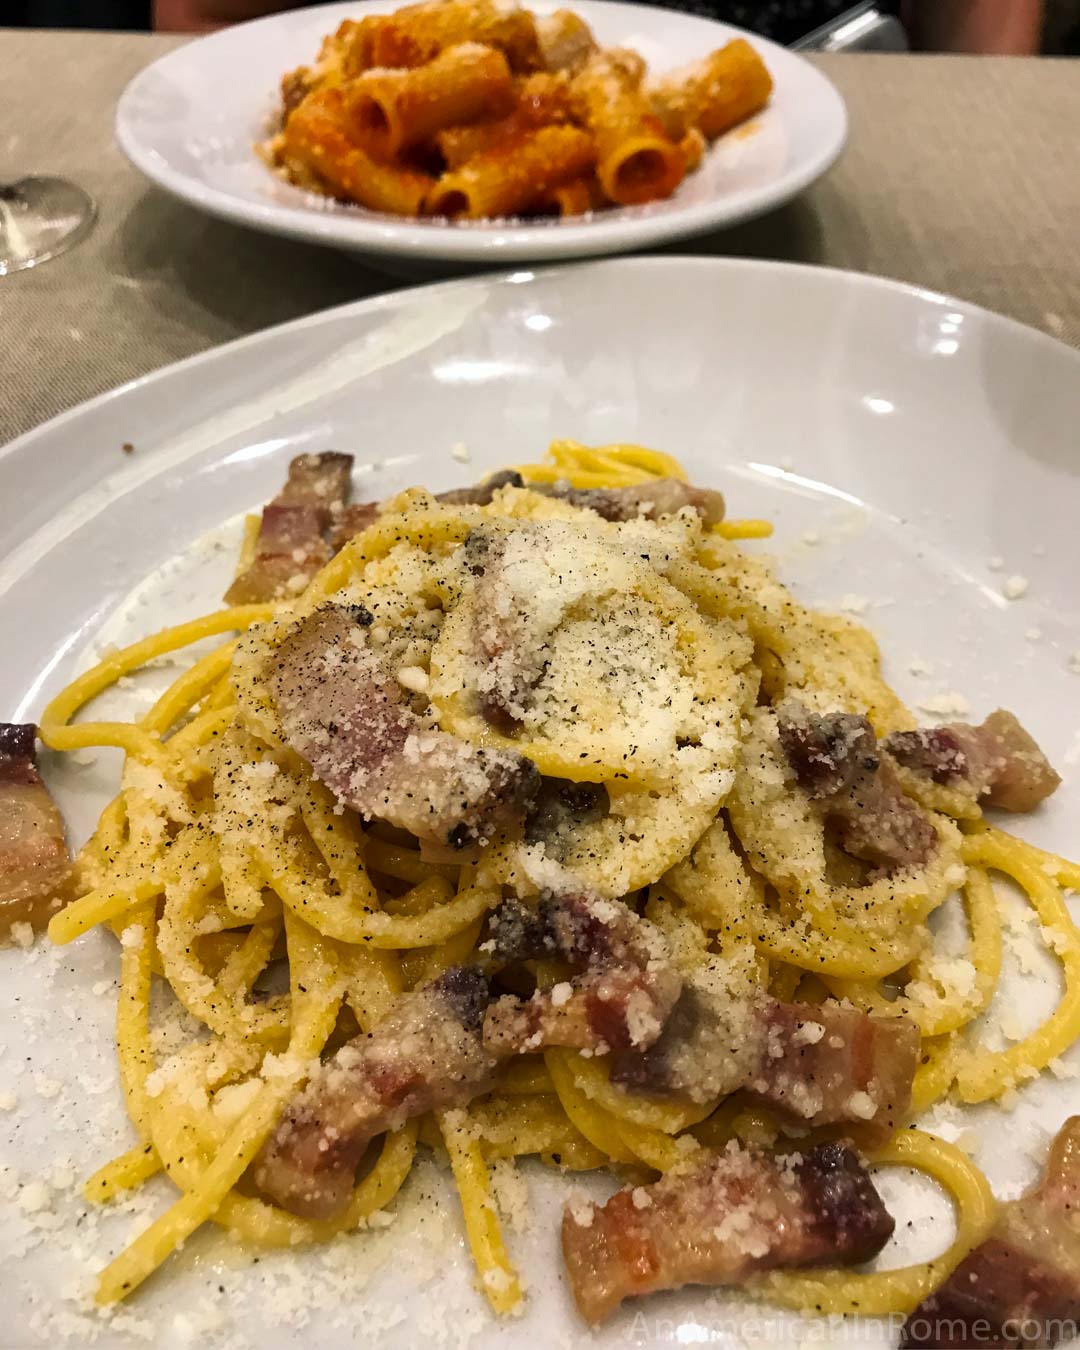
(636, 160)
(418, 33)
(542, 100)
(566, 40)
(574, 198)
(317, 139)
(714, 94)
(470, 109)
(509, 179)
(393, 109)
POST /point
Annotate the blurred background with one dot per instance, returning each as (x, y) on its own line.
(1013, 27)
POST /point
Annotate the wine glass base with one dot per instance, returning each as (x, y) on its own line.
(40, 218)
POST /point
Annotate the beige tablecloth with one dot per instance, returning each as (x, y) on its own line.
(961, 175)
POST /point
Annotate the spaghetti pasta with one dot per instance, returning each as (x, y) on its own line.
(224, 854)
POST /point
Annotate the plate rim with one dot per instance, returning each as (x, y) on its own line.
(515, 244)
(489, 280)
(898, 306)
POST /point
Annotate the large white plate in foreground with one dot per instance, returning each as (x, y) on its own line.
(914, 453)
(190, 122)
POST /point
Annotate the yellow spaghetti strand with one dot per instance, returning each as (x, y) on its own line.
(124, 1173)
(498, 1279)
(316, 1002)
(527, 1076)
(983, 1075)
(67, 703)
(249, 543)
(98, 907)
(144, 1256)
(935, 1073)
(306, 898)
(612, 466)
(591, 1078)
(192, 685)
(1064, 872)
(984, 919)
(951, 1011)
(402, 864)
(133, 1016)
(743, 529)
(589, 1120)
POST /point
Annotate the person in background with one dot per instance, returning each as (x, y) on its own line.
(997, 27)
(985, 26)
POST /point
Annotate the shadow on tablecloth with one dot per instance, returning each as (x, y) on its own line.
(247, 280)
(215, 274)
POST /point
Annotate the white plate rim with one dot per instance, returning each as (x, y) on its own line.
(844, 284)
(475, 243)
(391, 299)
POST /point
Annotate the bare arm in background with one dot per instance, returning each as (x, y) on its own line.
(204, 16)
(989, 27)
(997, 27)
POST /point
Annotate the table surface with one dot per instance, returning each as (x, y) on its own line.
(960, 176)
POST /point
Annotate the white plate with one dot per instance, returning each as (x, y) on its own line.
(190, 121)
(918, 438)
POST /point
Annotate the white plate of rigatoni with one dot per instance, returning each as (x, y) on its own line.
(472, 131)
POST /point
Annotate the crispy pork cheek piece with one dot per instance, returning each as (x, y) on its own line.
(836, 760)
(998, 760)
(482, 494)
(35, 865)
(343, 711)
(561, 809)
(350, 521)
(830, 1065)
(820, 1065)
(660, 497)
(506, 637)
(737, 1213)
(626, 987)
(1021, 1287)
(291, 546)
(709, 1047)
(354, 519)
(427, 1054)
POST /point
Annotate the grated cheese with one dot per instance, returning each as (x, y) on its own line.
(23, 935)
(1015, 587)
(581, 1209)
(414, 678)
(947, 704)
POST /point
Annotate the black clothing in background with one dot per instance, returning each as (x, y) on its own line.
(123, 14)
(782, 20)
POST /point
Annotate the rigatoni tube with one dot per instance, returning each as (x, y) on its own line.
(509, 178)
(390, 110)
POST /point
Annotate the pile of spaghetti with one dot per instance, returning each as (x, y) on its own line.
(640, 667)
